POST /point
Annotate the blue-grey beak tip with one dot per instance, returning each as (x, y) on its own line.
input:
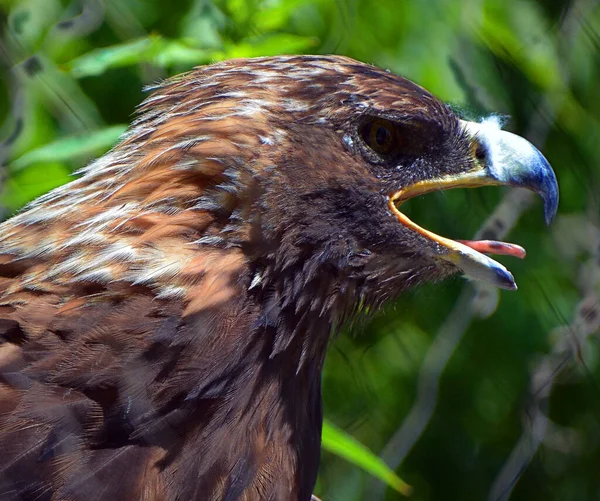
(535, 174)
(504, 279)
(548, 189)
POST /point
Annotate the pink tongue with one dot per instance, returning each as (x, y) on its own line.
(494, 247)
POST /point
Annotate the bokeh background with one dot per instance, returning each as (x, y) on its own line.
(466, 393)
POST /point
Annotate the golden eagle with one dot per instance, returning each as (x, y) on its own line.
(164, 318)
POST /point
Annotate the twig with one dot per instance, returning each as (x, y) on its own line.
(573, 336)
(87, 21)
(477, 299)
(566, 348)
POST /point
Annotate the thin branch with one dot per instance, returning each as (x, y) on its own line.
(565, 349)
(477, 300)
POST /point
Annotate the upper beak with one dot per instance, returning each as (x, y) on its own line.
(506, 159)
(514, 161)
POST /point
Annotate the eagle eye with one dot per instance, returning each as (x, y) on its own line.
(380, 135)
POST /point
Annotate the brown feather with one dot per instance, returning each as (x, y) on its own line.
(164, 318)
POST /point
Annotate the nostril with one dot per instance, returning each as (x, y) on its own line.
(480, 152)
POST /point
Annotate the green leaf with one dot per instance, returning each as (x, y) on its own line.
(65, 149)
(26, 185)
(153, 49)
(97, 61)
(343, 445)
(270, 45)
(273, 16)
(173, 52)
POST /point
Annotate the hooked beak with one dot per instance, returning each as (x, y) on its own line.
(505, 159)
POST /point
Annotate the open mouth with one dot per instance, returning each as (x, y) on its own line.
(455, 246)
(510, 161)
(484, 246)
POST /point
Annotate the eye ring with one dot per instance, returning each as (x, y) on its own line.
(380, 135)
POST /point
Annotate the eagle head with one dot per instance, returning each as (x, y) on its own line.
(164, 318)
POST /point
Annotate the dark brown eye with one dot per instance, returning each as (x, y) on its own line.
(380, 135)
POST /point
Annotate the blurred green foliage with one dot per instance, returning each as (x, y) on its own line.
(73, 73)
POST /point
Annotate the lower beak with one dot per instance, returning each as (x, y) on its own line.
(507, 159)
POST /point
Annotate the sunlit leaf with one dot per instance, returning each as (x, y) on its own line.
(343, 445)
(174, 52)
(274, 16)
(27, 184)
(269, 45)
(154, 49)
(69, 148)
(98, 61)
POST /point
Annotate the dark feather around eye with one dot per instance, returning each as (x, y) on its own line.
(380, 135)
